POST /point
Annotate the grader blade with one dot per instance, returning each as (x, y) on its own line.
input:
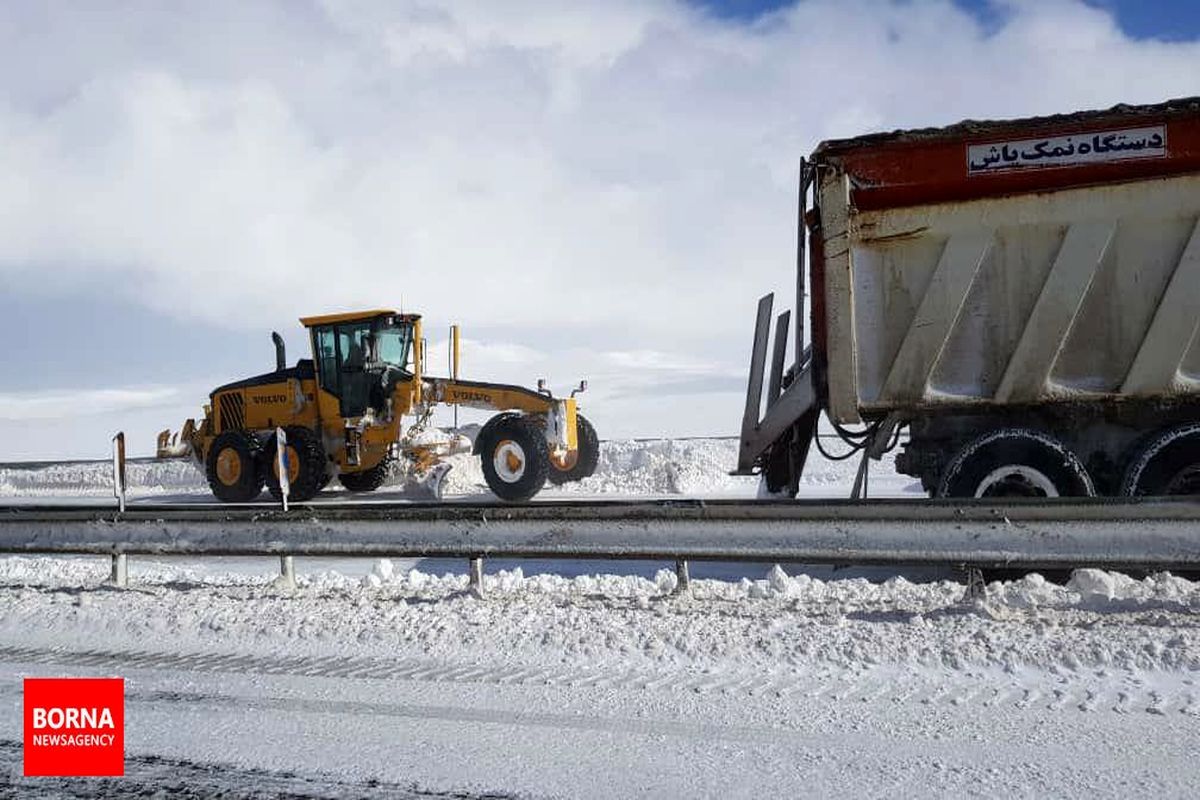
(177, 445)
(433, 481)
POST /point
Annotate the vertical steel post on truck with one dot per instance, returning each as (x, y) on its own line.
(789, 407)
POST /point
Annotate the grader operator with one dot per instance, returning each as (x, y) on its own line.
(344, 412)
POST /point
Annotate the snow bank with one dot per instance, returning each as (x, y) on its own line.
(694, 467)
(1098, 621)
(95, 478)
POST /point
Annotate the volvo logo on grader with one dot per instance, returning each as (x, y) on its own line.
(370, 363)
(463, 396)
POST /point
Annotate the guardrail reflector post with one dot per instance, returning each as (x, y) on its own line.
(976, 587)
(476, 581)
(683, 581)
(120, 570)
(282, 466)
(287, 573)
(119, 470)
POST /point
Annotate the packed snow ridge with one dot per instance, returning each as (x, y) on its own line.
(1098, 621)
(693, 467)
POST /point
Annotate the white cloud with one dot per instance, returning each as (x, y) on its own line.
(624, 168)
(658, 361)
(69, 404)
(486, 355)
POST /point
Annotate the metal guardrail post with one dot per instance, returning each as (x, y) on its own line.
(683, 580)
(475, 586)
(120, 570)
(283, 466)
(287, 573)
(119, 482)
(976, 586)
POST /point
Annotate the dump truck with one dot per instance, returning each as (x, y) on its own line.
(361, 407)
(1020, 297)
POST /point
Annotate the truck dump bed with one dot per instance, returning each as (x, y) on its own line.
(1018, 262)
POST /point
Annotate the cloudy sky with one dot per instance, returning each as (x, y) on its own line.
(593, 189)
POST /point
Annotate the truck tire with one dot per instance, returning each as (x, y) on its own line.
(582, 463)
(233, 467)
(306, 459)
(368, 480)
(1169, 464)
(515, 459)
(777, 471)
(1015, 462)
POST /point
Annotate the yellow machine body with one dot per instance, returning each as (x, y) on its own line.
(358, 408)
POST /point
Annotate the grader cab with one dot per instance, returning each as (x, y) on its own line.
(360, 408)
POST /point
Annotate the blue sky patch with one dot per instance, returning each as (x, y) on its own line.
(1172, 20)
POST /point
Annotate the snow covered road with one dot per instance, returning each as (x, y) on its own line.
(382, 679)
(479, 737)
(552, 740)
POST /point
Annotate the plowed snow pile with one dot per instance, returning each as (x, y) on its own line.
(95, 479)
(694, 467)
(1099, 621)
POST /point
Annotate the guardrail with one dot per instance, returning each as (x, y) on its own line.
(1159, 534)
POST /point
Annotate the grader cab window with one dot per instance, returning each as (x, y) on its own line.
(394, 343)
(356, 358)
(326, 353)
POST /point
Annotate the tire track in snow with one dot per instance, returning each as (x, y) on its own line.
(844, 688)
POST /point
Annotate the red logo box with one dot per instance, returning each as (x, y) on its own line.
(74, 727)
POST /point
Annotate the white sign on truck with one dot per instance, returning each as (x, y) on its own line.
(1060, 151)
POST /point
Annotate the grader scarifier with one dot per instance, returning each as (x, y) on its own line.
(361, 407)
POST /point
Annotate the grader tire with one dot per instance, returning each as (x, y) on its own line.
(306, 459)
(582, 463)
(233, 467)
(368, 480)
(515, 458)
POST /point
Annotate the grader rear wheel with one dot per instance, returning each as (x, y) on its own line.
(232, 467)
(306, 465)
(368, 480)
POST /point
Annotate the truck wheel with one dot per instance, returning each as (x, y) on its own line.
(582, 463)
(233, 467)
(1169, 464)
(515, 459)
(368, 480)
(306, 465)
(1015, 462)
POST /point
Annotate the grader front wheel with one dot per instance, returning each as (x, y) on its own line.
(515, 459)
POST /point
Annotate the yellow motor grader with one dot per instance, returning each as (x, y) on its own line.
(344, 414)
